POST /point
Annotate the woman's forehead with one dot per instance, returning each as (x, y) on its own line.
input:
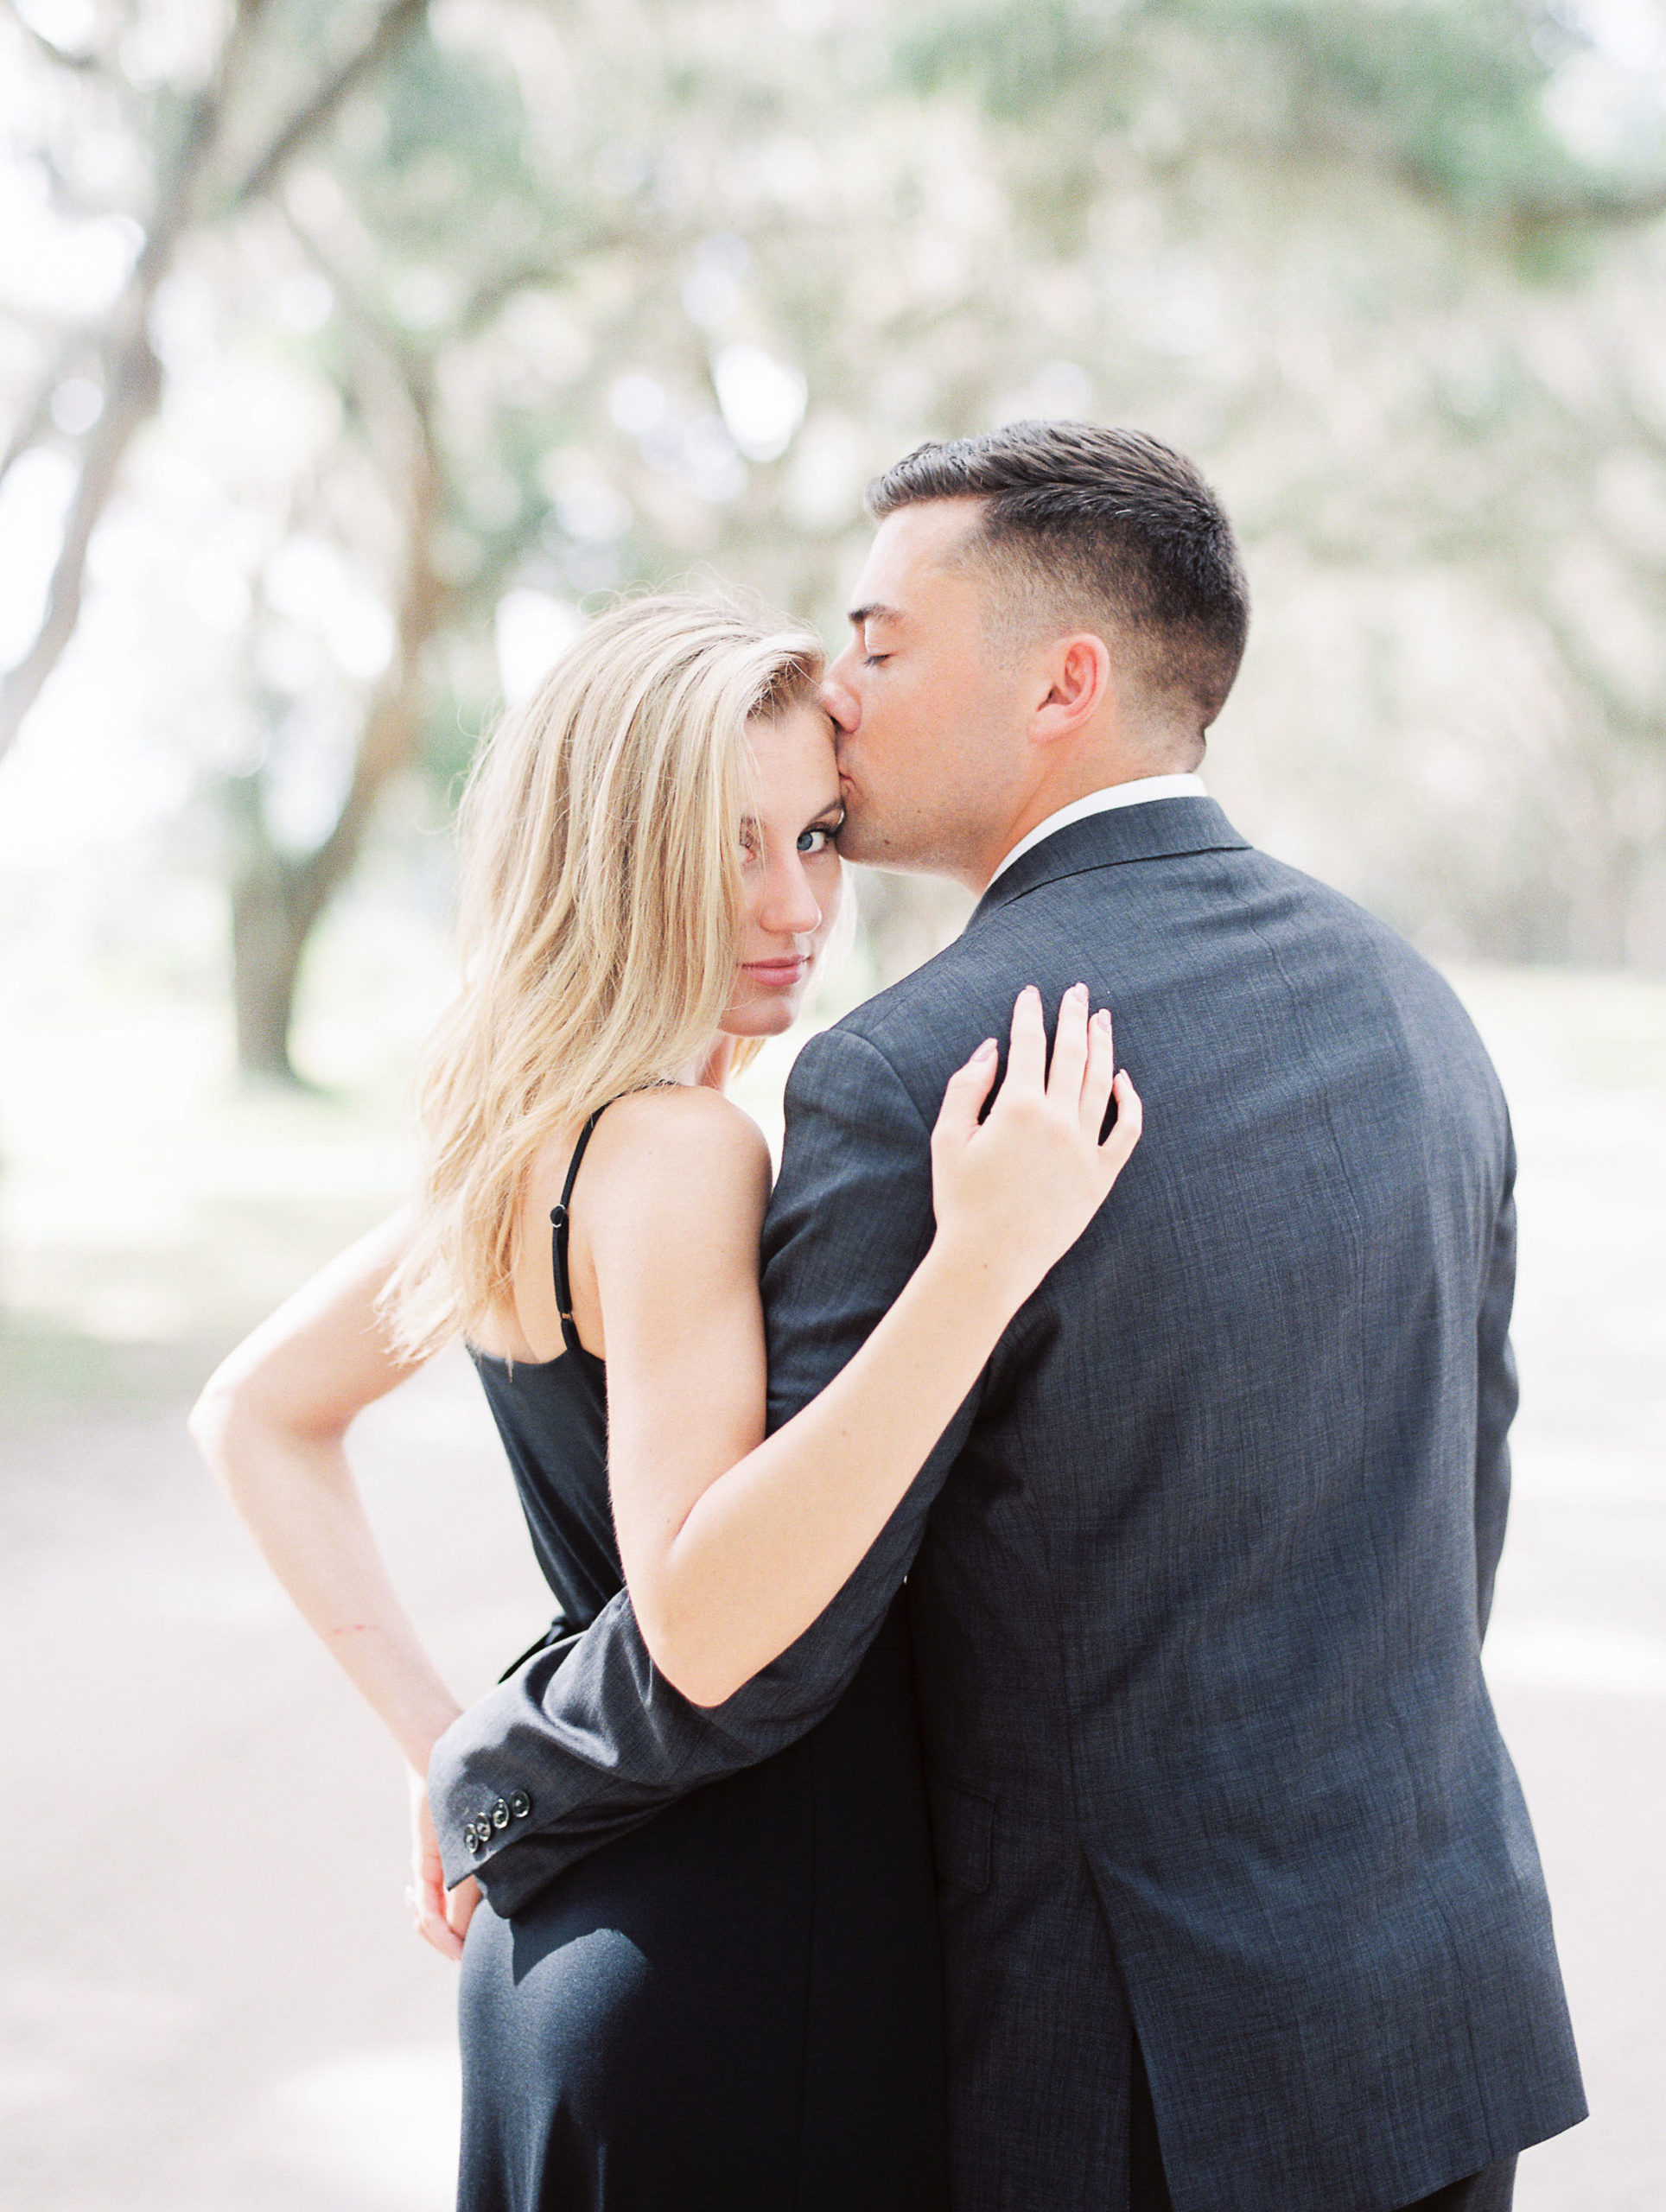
(792, 757)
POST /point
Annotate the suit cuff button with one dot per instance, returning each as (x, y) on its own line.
(500, 1814)
(471, 1837)
(519, 1803)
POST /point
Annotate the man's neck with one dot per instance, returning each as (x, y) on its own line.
(1042, 805)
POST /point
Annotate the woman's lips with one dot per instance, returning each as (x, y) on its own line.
(776, 974)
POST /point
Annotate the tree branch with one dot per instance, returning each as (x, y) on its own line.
(1610, 206)
(132, 377)
(393, 721)
(132, 374)
(133, 395)
(1591, 204)
(36, 413)
(88, 64)
(395, 24)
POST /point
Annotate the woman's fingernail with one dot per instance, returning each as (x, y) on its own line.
(1078, 991)
(986, 1050)
(1102, 1020)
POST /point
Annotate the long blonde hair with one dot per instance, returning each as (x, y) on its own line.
(600, 904)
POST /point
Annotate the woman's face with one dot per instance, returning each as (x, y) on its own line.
(789, 868)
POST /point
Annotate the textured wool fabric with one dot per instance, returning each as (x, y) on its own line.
(1492, 2190)
(1198, 1575)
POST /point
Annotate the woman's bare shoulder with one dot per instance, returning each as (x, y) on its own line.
(674, 1122)
(680, 1142)
(682, 1131)
(694, 1111)
(673, 1179)
(681, 1183)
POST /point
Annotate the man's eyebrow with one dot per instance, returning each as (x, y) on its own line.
(876, 612)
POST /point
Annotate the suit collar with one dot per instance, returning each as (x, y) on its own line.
(1161, 829)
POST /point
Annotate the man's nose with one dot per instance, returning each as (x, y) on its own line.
(839, 700)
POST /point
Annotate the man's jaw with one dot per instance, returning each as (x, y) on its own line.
(873, 837)
(860, 839)
(869, 845)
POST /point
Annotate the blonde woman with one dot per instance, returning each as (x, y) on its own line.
(736, 2006)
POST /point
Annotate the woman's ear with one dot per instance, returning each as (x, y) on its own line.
(1077, 675)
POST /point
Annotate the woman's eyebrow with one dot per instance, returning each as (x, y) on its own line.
(833, 811)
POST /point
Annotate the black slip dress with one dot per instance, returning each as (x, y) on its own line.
(737, 2008)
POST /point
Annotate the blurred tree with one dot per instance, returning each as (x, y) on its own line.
(1418, 340)
(562, 295)
(206, 146)
(277, 895)
(1446, 97)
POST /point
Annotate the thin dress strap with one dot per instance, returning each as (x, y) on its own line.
(560, 1223)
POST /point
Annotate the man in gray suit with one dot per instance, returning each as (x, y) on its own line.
(1240, 1907)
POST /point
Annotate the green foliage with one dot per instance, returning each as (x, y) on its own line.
(1448, 95)
(1341, 248)
(1021, 59)
(1456, 88)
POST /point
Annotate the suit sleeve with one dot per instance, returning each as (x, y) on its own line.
(587, 1740)
(1497, 1395)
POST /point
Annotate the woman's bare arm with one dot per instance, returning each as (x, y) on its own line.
(272, 1424)
(732, 1542)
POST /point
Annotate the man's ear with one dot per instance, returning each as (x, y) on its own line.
(1077, 674)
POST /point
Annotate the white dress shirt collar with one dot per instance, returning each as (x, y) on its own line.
(1129, 794)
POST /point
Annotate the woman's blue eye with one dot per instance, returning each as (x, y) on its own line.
(814, 841)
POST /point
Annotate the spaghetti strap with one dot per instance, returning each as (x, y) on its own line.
(560, 1222)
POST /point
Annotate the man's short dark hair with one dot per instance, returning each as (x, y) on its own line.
(1109, 528)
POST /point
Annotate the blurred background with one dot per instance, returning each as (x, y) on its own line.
(349, 353)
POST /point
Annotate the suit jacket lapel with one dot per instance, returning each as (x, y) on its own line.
(1157, 829)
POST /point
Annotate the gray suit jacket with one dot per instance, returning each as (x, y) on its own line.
(1200, 1572)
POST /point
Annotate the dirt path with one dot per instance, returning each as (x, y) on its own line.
(213, 1999)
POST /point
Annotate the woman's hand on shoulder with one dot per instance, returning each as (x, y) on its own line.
(1014, 1190)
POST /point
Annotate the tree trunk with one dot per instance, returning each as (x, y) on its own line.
(276, 902)
(268, 940)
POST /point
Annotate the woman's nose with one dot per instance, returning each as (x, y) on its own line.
(790, 908)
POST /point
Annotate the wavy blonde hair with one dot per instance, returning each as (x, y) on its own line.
(600, 907)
